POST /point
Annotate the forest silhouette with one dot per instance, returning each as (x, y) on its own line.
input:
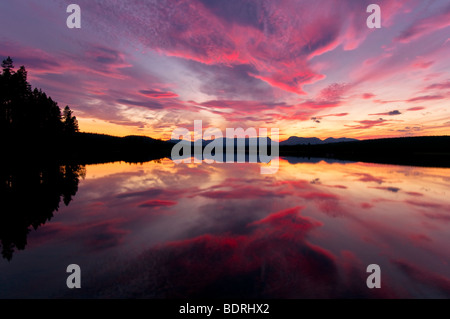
(26, 111)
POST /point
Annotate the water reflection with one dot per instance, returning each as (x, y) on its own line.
(30, 195)
(165, 230)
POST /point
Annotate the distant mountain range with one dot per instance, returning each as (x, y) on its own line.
(431, 151)
(294, 140)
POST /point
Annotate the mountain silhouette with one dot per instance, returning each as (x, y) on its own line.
(294, 140)
(432, 151)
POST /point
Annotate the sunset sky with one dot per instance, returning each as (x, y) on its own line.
(309, 68)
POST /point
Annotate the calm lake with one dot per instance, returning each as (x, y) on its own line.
(166, 230)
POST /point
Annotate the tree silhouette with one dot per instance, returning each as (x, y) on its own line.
(70, 121)
(7, 66)
(27, 112)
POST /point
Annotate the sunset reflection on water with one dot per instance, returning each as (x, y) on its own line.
(165, 230)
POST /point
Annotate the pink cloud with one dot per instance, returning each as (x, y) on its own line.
(34, 59)
(335, 114)
(157, 203)
(417, 108)
(367, 124)
(367, 96)
(423, 64)
(387, 102)
(333, 92)
(425, 26)
(426, 98)
(291, 83)
(336, 186)
(158, 94)
(439, 86)
(312, 104)
(230, 34)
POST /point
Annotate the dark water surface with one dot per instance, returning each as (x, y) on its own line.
(166, 230)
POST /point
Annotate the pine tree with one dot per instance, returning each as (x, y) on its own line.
(70, 121)
(7, 66)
